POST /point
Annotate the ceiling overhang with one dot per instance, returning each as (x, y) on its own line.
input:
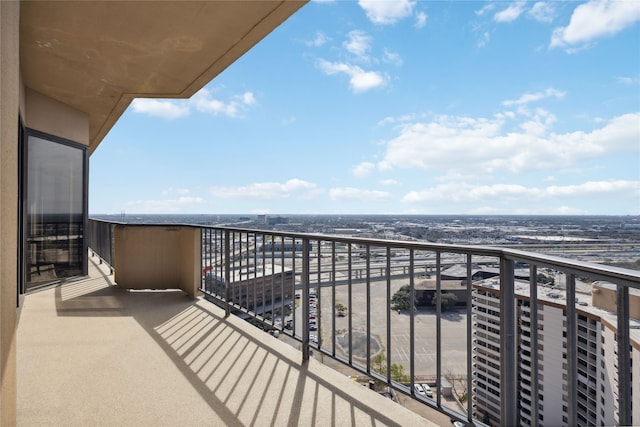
(98, 56)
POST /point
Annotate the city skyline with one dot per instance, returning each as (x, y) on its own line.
(399, 107)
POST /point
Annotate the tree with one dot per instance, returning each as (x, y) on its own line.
(379, 364)
(448, 300)
(397, 373)
(544, 279)
(341, 309)
(401, 300)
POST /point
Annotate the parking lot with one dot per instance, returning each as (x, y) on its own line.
(454, 324)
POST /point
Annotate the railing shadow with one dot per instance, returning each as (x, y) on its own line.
(245, 376)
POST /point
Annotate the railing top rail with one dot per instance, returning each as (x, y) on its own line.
(625, 276)
(106, 221)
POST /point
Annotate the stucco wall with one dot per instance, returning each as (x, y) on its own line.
(157, 257)
(50, 116)
(9, 105)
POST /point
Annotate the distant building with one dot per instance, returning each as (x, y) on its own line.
(596, 351)
(459, 272)
(276, 220)
(425, 291)
(288, 245)
(258, 291)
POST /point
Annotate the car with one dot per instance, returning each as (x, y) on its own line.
(313, 326)
(418, 388)
(313, 338)
(427, 390)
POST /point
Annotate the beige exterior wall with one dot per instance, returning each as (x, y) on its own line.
(53, 117)
(158, 257)
(605, 298)
(9, 104)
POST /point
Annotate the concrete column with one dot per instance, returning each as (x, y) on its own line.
(9, 107)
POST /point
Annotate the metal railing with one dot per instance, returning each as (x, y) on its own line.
(337, 297)
(101, 241)
(257, 274)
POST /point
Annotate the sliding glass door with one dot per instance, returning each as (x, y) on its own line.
(54, 207)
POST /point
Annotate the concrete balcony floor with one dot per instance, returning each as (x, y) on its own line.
(91, 354)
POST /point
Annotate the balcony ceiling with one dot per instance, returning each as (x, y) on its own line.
(98, 56)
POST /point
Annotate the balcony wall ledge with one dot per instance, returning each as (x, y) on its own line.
(91, 353)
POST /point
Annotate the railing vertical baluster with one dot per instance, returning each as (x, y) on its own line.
(333, 301)
(469, 338)
(572, 351)
(508, 359)
(533, 338)
(295, 274)
(273, 274)
(319, 295)
(349, 279)
(624, 363)
(438, 329)
(368, 302)
(282, 279)
(388, 274)
(304, 279)
(412, 344)
(227, 272)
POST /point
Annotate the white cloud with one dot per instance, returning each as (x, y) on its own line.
(489, 145)
(421, 20)
(166, 109)
(595, 19)
(204, 102)
(350, 193)
(359, 79)
(320, 40)
(484, 39)
(400, 119)
(364, 169)
(267, 190)
(511, 13)
(388, 182)
(487, 8)
(537, 96)
(462, 192)
(628, 80)
(358, 43)
(387, 12)
(392, 58)
(542, 12)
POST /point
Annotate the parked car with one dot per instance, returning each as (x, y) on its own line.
(427, 390)
(419, 389)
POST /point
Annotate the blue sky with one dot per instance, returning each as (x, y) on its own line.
(401, 107)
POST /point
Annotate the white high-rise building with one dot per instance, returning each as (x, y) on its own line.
(596, 357)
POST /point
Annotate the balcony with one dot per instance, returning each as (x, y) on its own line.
(150, 351)
(92, 353)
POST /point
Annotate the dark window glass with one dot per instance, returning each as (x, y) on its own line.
(55, 210)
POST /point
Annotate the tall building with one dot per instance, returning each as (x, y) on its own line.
(597, 370)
